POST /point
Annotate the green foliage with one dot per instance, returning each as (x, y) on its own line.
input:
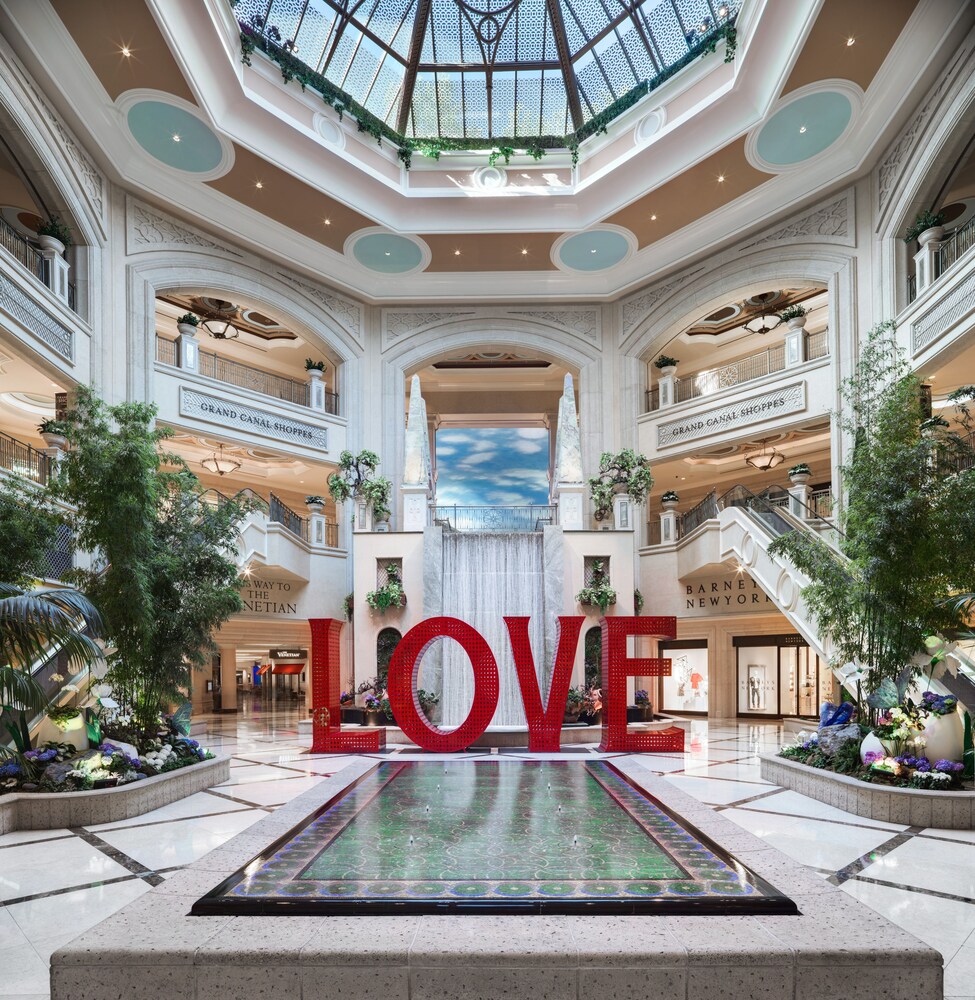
(599, 593)
(390, 595)
(348, 606)
(386, 643)
(168, 573)
(923, 222)
(625, 472)
(28, 530)
(800, 470)
(638, 601)
(57, 229)
(189, 319)
(670, 496)
(793, 312)
(501, 151)
(593, 652)
(908, 523)
(665, 362)
(354, 472)
(312, 365)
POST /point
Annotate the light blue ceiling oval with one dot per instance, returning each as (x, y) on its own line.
(155, 125)
(594, 251)
(804, 128)
(387, 253)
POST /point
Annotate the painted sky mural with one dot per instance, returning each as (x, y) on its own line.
(492, 465)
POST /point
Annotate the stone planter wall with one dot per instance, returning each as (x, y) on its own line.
(54, 810)
(910, 806)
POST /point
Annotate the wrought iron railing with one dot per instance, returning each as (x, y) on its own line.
(950, 250)
(17, 456)
(529, 517)
(821, 501)
(280, 512)
(247, 377)
(27, 254)
(697, 515)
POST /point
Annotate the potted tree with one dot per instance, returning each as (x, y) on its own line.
(599, 593)
(53, 234)
(372, 708)
(625, 472)
(315, 504)
(378, 491)
(53, 432)
(669, 500)
(187, 324)
(794, 317)
(926, 227)
(352, 481)
(799, 474)
(666, 365)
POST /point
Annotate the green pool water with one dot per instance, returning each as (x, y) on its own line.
(507, 835)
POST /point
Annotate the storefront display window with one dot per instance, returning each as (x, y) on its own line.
(780, 675)
(686, 689)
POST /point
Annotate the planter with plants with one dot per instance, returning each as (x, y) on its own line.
(187, 324)
(666, 365)
(348, 606)
(372, 707)
(53, 432)
(53, 234)
(390, 595)
(642, 701)
(378, 492)
(926, 227)
(799, 474)
(624, 472)
(669, 500)
(599, 593)
(794, 317)
(315, 369)
(573, 705)
(315, 504)
(356, 480)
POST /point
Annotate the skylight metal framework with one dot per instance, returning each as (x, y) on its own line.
(471, 69)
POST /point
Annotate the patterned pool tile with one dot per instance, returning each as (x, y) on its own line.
(494, 836)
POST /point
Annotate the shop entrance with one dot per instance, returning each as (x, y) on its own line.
(685, 691)
(779, 675)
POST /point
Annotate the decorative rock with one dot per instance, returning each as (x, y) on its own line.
(833, 738)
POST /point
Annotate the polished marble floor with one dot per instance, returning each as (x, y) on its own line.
(56, 883)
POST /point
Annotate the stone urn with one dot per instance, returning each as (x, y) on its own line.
(799, 478)
(930, 235)
(186, 329)
(53, 440)
(670, 504)
(668, 370)
(315, 506)
(796, 323)
(51, 244)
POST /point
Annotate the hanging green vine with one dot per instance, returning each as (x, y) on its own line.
(255, 35)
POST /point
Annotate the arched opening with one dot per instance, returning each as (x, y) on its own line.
(386, 642)
(594, 656)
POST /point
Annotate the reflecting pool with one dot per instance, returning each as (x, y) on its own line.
(494, 836)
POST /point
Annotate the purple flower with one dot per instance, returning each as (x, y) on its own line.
(948, 766)
(10, 769)
(922, 764)
(872, 756)
(906, 760)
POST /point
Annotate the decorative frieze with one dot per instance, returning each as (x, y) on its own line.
(265, 422)
(829, 223)
(635, 310)
(401, 324)
(768, 405)
(148, 230)
(583, 323)
(29, 313)
(345, 312)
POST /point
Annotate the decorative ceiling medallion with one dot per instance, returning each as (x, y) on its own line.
(596, 249)
(330, 131)
(384, 252)
(489, 178)
(735, 315)
(174, 133)
(246, 320)
(649, 125)
(804, 125)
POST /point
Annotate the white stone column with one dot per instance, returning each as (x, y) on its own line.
(52, 251)
(228, 678)
(623, 512)
(316, 390)
(795, 342)
(800, 500)
(316, 526)
(924, 259)
(668, 527)
(188, 350)
(363, 515)
(666, 389)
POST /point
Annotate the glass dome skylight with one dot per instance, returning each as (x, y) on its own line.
(487, 69)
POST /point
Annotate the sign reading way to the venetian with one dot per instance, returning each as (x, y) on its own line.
(269, 598)
(776, 403)
(249, 418)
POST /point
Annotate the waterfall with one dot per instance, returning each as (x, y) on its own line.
(486, 576)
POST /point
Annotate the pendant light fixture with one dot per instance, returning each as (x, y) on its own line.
(220, 463)
(765, 458)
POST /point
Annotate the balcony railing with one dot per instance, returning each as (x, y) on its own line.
(755, 366)
(952, 248)
(24, 251)
(505, 519)
(21, 458)
(280, 512)
(246, 377)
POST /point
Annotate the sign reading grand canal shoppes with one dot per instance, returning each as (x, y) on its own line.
(267, 423)
(775, 403)
(544, 718)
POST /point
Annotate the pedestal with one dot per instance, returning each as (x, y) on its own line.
(415, 501)
(795, 343)
(800, 500)
(569, 498)
(623, 512)
(316, 390)
(667, 390)
(668, 527)
(57, 270)
(189, 350)
(363, 515)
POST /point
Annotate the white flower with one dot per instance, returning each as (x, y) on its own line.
(56, 677)
(920, 742)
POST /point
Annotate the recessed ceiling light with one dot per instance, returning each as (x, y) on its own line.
(176, 137)
(259, 186)
(721, 178)
(802, 130)
(126, 51)
(456, 253)
(524, 251)
(653, 218)
(593, 250)
(850, 41)
(388, 253)
(327, 222)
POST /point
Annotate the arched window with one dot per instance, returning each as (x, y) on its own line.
(594, 656)
(386, 643)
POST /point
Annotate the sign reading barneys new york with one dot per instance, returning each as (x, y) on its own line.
(249, 418)
(777, 403)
